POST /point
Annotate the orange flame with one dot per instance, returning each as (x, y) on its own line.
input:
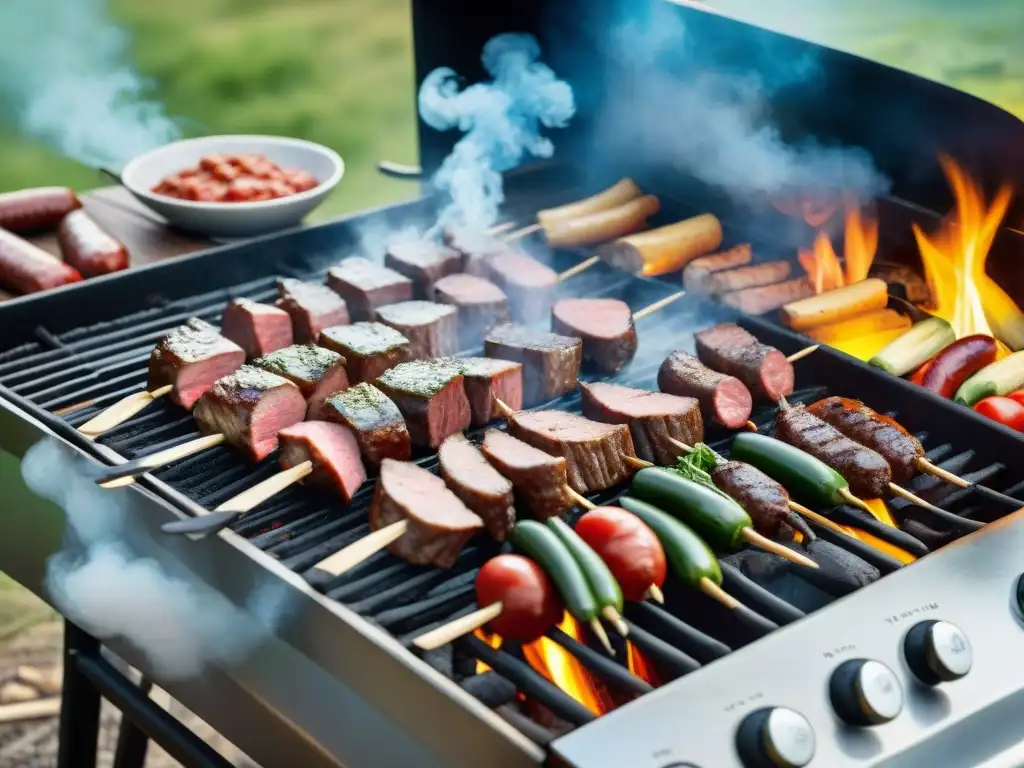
(881, 513)
(639, 665)
(562, 669)
(815, 211)
(492, 640)
(860, 243)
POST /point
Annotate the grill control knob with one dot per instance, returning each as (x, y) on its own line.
(775, 737)
(865, 692)
(937, 652)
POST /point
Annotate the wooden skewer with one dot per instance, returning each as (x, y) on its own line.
(802, 353)
(654, 593)
(660, 304)
(583, 265)
(598, 629)
(121, 411)
(715, 592)
(497, 229)
(348, 558)
(125, 474)
(580, 499)
(453, 630)
(928, 468)
(526, 231)
(763, 542)
(903, 493)
(852, 500)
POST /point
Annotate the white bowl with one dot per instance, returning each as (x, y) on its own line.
(234, 219)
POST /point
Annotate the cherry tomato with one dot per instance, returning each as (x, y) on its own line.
(301, 180)
(629, 548)
(1005, 410)
(530, 604)
(1018, 396)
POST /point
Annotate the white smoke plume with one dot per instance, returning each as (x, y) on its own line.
(66, 79)
(102, 585)
(501, 120)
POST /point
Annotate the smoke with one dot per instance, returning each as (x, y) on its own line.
(65, 77)
(501, 121)
(101, 584)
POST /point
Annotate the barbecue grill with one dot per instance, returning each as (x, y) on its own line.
(330, 677)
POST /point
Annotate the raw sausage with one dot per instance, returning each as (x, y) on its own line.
(88, 248)
(29, 210)
(24, 268)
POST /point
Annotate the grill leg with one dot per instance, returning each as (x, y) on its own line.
(132, 743)
(79, 704)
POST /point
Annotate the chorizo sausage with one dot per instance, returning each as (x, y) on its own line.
(29, 210)
(88, 248)
(964, 357)
(24, 268)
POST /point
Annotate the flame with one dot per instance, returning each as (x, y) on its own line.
(561, 668)
(492, 640)
(860, 242)
(954, 257)
(881, 513)
(815, 211)
(639, 665)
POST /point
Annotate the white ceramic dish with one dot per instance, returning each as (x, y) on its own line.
(234, 219)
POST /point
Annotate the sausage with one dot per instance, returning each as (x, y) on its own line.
(601, 226)
(698, 273)
(765, 500)
(734, 351)
(29, 210)
(24, 268)
(665, 249)
(88, 248)
(529, 602)
(621, 192)
(628, 547)
(955, 363)
(768, 273)
(723, 399)
(766, 298)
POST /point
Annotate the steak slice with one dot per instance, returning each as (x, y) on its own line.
(539, 480)
(259, 329)
(430, 395)
(487, 380)
(439, 523)
(478, 484)
(723, 399)
(605, 326)
(191, 358)
(424, 263)
(432, 329)
(480, 304)
(732, 350)
(365, 286)
(332, 449)
(476, 248)
(316, 371)
(595, 452)
(249, 407)
(311, 307)
(551, 363)
(653, 418)
(529, 285)
(369, 349)
(375, 421)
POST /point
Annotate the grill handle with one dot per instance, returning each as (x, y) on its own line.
(399, 170)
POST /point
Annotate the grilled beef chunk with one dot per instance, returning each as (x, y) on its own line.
(731, 350)
(865, 470)
(311, 307)
(529, 285)
(316, 371)
(365, 286)
(192, 357)
(259, 329)
(374, 419)
(551, 363)
(424, 263)
(432, 329)
(478, 484)
(249, 407)
(430, 395)
(539, 481)
(654, 418)
(765, 500)
(488, 380)
(605, 326)
(898, 447)
(439, 524)
(476, 249)
(369, 349)
(481, 305)
(593, 450)
(333, 451)
(723, 399)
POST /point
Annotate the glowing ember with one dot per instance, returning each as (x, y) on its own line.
(562, 669)
(639, 665)
(860, 243)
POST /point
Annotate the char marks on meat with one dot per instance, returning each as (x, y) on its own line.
(654, 418)
(529, 285)
(874, 430)
(595, 452)
(311, 307)
(432, 329)
(479, 485)
(375, 421)
(440, 525)
(259, 329)
(723, 399)
(731, 350)
(765, 500)
(249, 407)
(316, 371)
(333, 451)
(551, 363)
(605, 327)
(487, 380)
(480, 304)
(539, 480)
(431, 397)
(191, 358)
(369, 349)
(365, 286)
(424, 263)
(866, 471)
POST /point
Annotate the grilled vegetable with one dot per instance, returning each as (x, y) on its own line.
(599, 576)
(689, 557)
(804, 476)
(631, 549)
(543, 546)
(529, 600)
(1006, 410)
(923, 341)
(998, 378)
(961, 359)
